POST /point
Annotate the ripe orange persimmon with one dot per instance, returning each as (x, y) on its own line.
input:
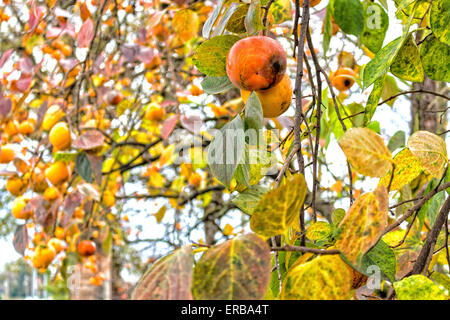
(195, 179)
(86, 248)
(274, 101)
(60, 136)
(114, 97)
(66, 50)
(155, 113)
(43, 257)
(256, 63)
(78, 213)
(57, 173)
(58, 43)
(11, 128)
(343, 79)
(7, 153)
(18, 207)
(26, 127)
(15, 186)
(312, 3)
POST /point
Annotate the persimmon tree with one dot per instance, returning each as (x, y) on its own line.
(216, 125)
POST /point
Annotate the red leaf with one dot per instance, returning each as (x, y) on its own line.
(20, 239)
(26, 65)
(86, 33)
(5, 57)
(96, 166)
(72, 201)
(35, 14)
(37, 205)
(54, 32)
(89, 140)
(146, 54)
(5, 106)
(168, 126)
(23, 83)
(191, 123)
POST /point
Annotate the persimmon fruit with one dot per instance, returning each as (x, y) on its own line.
(343, 79)
(256, 63)
(7, 153)
(43, 257)
(86, 248)
(57, 173)
(274, 101)
(18, 209)
(59, 136)
(15, 186)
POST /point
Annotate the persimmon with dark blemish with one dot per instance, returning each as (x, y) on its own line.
(256, 63)
(343, 79)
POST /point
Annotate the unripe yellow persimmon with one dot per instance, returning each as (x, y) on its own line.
(51, 194)
(60, 233)
(108, 199)
(18, 209)
(26, 127)
(15, 186)
(60, 136)
(7, 153)
(57, 173)
(52, 116)
(275, 100)
(43, 257)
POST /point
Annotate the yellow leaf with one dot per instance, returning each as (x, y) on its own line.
(431, 151)
(363, 225)
(166, 155)
(186, 24)
(323, 278)
(277, 210)
(366, 152)
(318, 231)
(160, 214)
(407, 167)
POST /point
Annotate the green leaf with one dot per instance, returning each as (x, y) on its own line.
(211, 56)
(442, 279)
(398, 140)
(378, 66)
(169, 278)
(390, 89)
(374, 97)
(407, 168)
(431, 208)
(238, 269)
(337, 216)
(281, 11)
(319, 230)
(279, 208)
(327, 32)
(440, 20)
(254, 113)
(207, 27)
(376, 23)
(236, 23)
(323, 278)
(407, 64)
(223, 22)
(249, 198)
(349, 16)
(253, 21)
(65, 156)
(226, 150)
(436, 59)
(374, 126)
(214, 85)
(83, 167)
(382, 256)
(107, 243)
(384, 4)
(418, 287)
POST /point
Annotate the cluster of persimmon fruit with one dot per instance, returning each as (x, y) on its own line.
(50, 180)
